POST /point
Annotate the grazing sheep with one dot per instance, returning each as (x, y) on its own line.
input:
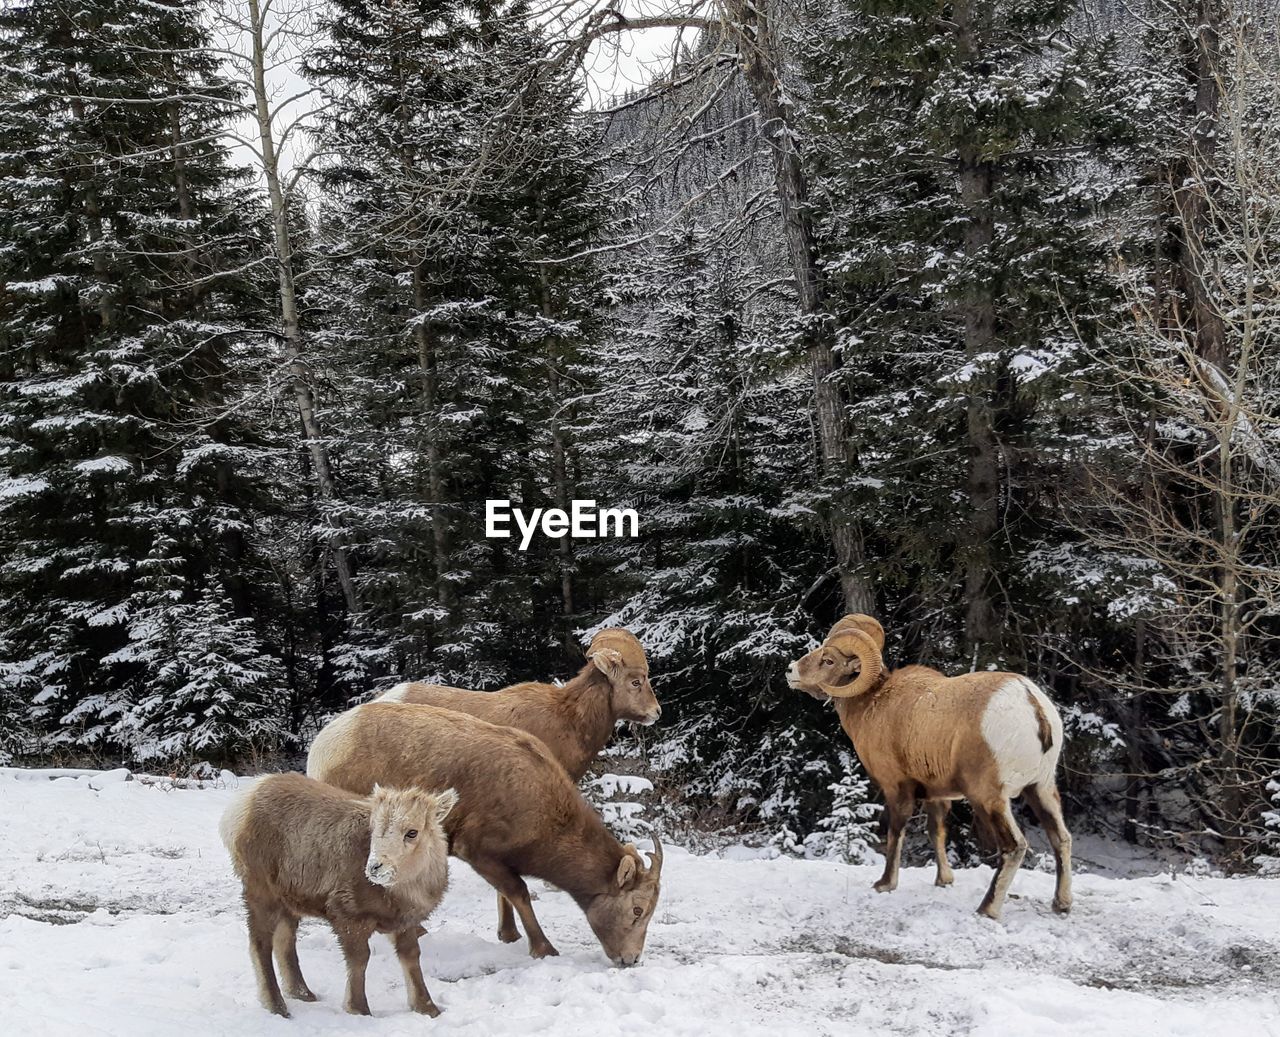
(518, 814)
(575, 719)
(366, 864)
(984, 737)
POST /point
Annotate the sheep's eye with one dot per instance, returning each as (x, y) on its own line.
(635, 684)
(637, 911)
(827, 662)
(411, 834)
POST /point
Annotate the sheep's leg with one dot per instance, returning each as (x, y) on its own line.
(900, 806)
(512, 886)
(1047, 805)
(507, 931)
(937, 810)
(1013, 847)
(410, 955)
(262, 925)
(354, 940)
(285, 944)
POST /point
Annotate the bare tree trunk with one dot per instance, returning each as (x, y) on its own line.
(295, 347)
(977, 181)
(1228, 719)
(1190, 177)
(762, 70)
(560, 465)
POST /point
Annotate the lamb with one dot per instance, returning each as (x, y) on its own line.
(985, 737)
(518, 814)
(575, 719)
(363, 863)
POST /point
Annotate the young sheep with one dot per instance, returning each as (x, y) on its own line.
(575, 719)
(984, 737)
(364, 863)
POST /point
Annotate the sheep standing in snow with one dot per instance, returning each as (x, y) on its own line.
(364, 863)
(984, 737)
(519, 814)
(574, 719)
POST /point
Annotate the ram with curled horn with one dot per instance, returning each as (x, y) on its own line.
(983, 737)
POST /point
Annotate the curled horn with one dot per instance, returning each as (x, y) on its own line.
(655, 858)
(863, 645)
(859, 621)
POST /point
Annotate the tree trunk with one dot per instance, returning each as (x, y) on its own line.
(93, 214)
(299, 375)
(435, 477)
(1190, 179)
(762, 70)
(1231, 778)
(559, 452)
(977, 181)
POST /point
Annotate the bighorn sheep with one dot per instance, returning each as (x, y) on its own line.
(365, 864)
(575, 719)
(518, 814)
(984, 737)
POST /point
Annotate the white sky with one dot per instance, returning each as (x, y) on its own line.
(623, 61)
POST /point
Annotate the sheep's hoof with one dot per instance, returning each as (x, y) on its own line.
(301, 994)
(990, 911)
(543, 950)
(508, 935)
(1062, 907)
(885, 886)
(358, 1009)
(429, 1008)
(944, 880)
(277, 1009)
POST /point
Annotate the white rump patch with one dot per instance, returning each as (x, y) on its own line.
(233, 818)
(396, 694)
(1012, 730)
(327, 750)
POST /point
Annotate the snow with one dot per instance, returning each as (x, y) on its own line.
(119, 914)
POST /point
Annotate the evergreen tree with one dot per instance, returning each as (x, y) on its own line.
(201, 686)
(462, 187)
(124, 241)
(963, 155)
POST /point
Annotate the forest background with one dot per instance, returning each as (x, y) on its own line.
(966, 315)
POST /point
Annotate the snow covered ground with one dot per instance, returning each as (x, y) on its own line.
(119, 915)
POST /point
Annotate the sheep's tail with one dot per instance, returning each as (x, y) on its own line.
(1043, 728)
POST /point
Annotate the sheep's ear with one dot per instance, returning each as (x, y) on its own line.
(607, 660)
(446, 801)
(627, 869)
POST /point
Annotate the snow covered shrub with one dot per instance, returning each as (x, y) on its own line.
(203, 686)
(848, 832)
(1268, 861)
(616, 797)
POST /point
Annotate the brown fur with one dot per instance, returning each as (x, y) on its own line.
(301, 848)
(920, 736)
(518, 814)
(575, 719)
